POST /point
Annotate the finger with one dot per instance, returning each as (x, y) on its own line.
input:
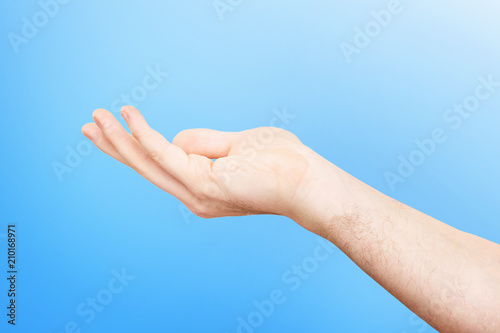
(170, 157)
(135, 156)
(94, 134)
(206, 142)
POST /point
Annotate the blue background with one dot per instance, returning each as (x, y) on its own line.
(193, 275)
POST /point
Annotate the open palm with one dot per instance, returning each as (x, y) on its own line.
(259, 171)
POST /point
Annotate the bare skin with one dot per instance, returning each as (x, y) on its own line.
(449, 278)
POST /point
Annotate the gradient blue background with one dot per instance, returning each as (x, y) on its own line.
(194, 275)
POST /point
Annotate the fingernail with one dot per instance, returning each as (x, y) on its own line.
(97, 122)
(124, 115)
(88, 135)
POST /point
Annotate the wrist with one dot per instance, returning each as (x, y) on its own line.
(329, 196)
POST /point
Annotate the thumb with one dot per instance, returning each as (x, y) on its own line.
(206, 142)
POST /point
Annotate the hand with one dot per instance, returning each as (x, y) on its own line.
(260, 171)
(417, 258)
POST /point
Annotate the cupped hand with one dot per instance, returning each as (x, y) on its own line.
(260, 171)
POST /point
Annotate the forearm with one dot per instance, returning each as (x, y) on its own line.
(449, 278)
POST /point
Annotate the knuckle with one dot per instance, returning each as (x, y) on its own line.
(143, 134)
(155, 155)
(140, 134)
